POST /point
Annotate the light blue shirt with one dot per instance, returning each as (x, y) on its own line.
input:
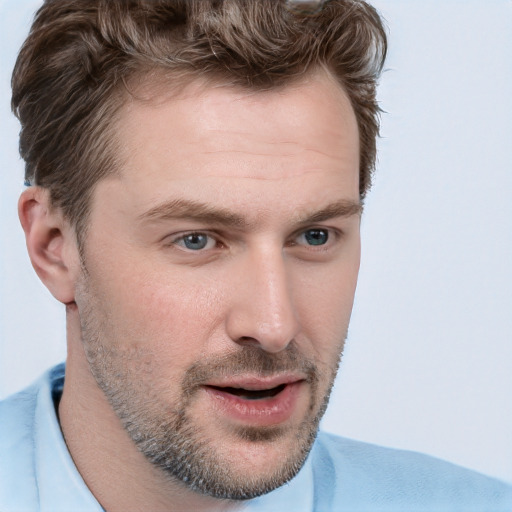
(37, 472)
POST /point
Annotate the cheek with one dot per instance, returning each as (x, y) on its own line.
(324, 301)
(170, 314)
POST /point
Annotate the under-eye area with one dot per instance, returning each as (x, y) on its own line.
(251, 394)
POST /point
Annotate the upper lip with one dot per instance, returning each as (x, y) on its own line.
(256, 383)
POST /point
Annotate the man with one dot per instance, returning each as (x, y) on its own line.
(197, 172)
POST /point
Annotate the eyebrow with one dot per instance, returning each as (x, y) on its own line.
(342, 208)
(202, 212)
(194, 210)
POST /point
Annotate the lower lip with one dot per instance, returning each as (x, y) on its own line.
(263, 412)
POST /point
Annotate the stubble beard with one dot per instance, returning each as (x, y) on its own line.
(171, 440)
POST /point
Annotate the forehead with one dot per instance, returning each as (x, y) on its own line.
(205, 139)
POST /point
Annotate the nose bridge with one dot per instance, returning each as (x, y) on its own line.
(264, 312)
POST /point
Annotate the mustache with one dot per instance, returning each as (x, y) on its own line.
(250, 360)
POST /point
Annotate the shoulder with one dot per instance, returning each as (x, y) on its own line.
(18, 445)
(371, 477)
(17, 449)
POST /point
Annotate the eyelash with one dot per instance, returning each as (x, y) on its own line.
(332, 236)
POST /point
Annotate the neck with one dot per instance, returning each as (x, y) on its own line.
(117, 474)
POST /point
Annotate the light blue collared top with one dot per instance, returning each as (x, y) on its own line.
(37, 472)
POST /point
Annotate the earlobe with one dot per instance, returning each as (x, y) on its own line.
(50, 243)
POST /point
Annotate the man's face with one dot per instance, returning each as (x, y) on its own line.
(221, 265)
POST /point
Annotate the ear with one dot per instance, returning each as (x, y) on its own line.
(51, 243)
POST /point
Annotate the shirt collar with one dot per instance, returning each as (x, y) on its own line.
(60, 486)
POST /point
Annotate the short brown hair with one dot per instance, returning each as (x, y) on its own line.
(71, 76)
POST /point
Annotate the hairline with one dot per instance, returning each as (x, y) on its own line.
(157, 82)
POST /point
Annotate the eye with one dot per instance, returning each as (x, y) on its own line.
(314, 237)
(195, 241)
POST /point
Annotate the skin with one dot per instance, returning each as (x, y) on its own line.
(153, 308)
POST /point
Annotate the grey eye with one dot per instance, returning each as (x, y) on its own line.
(195, 241)
(316, 236)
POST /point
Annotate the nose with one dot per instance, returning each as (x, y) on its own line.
(262, 311)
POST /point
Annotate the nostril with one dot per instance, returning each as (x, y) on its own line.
(247, 340)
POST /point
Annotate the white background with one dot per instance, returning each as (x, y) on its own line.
(428, 365)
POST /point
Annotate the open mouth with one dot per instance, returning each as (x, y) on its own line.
(256, 401)
(251, 394)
